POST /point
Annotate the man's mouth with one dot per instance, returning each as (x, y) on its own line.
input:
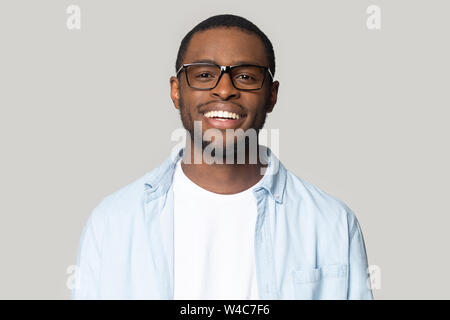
(223, 119)
(222, 115)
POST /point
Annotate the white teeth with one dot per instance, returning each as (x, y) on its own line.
(221, 114)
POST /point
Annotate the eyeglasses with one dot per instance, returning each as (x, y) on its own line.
(206, 76)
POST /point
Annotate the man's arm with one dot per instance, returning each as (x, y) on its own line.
(358, 280)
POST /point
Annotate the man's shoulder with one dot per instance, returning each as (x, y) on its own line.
(314, 200)
(127, 199)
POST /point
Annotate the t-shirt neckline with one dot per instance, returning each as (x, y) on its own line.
(195, 186)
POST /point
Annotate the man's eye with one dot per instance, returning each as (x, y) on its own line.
(204, 75)
(245, 77)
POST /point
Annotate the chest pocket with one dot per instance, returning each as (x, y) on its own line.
(325, 282)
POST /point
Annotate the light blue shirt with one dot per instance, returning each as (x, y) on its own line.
(308, 244)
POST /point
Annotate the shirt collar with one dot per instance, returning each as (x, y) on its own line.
(274, 181)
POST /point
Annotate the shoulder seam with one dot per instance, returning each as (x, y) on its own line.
(354, 229)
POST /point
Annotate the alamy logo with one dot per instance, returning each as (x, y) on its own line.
(235, 151)
(374, 19)
(74, 19)
(374, 280)
(73, 281)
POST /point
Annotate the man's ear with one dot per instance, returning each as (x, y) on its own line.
(175, 91)
(273, 95)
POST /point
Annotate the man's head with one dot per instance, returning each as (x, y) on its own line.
(225, 40)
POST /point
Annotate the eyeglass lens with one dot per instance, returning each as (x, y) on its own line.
(205, 76)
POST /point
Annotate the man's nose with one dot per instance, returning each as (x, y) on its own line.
(225, 89)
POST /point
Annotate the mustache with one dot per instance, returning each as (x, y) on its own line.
(220, 101)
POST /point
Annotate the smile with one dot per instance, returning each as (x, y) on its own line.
(223, 119)
(222, 115)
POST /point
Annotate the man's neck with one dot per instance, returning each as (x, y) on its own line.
(222, 178)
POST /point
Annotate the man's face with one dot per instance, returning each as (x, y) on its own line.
(224, 46)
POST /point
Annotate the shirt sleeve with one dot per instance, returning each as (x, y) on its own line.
(359, 286)
(86, 284)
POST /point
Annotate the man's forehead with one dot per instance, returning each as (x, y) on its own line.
(226, 46)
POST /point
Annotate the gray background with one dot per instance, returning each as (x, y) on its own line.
(362, 114)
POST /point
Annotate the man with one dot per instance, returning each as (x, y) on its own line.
(202, 227)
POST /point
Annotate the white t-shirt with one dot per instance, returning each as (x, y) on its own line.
(214, 242)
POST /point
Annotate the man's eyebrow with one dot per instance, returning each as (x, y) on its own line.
(215, 62)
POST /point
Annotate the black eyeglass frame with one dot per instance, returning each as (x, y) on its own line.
(224, 69)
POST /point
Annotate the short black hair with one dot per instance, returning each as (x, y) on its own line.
(227, 21)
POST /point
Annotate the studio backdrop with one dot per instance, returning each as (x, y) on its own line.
(363, 111)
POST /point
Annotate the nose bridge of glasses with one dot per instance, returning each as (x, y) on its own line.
(224, 70)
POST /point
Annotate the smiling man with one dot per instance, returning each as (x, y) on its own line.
(234, 223)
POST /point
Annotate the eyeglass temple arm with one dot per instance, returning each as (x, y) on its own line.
(178, 71)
